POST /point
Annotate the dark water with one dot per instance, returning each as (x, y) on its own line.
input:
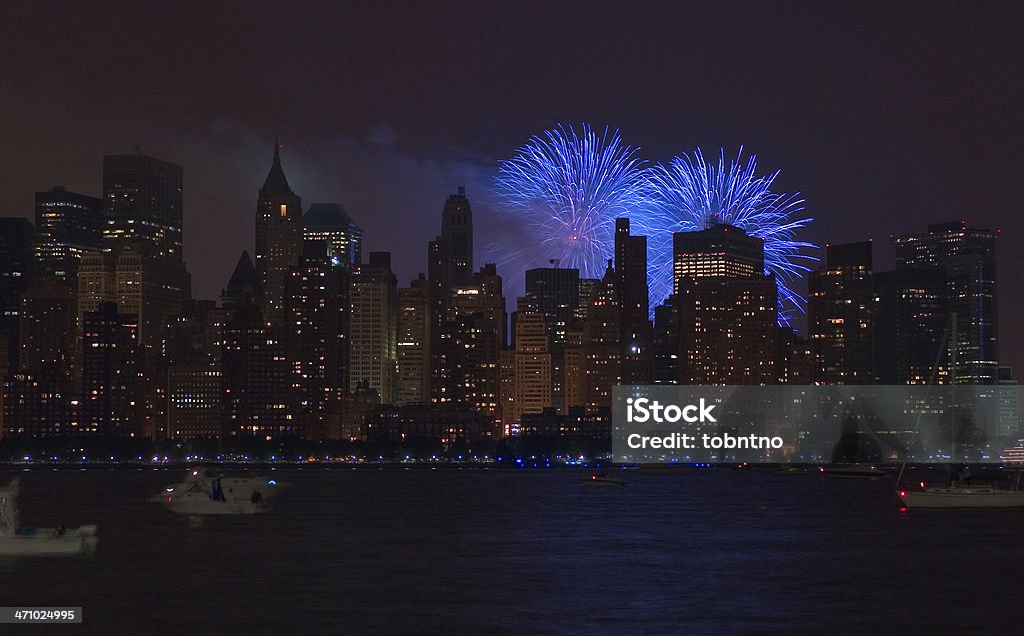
(472, 551)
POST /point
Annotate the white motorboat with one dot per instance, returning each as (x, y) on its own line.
(205, 494)
(28, 541)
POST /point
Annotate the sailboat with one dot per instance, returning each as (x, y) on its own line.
(959, 493)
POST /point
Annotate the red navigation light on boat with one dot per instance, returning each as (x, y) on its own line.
(903, 493)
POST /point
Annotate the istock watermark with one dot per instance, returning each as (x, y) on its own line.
(820, 424)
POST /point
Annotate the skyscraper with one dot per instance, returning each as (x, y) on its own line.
(555, 293)
(278, 238)
(143, 199)
(317, 338)
(449, 263)
(600, 345)
(840, 314)
(374, 297)
(143, 232)
(258, 391)
(330, 223)
(48, 334)
(38, 399)
(968, 258)
(413, 327)
(911, 316)
(635, 351)
(17, 240)
(112, 396)
(67, 226)
(474, 335)
(532, 364)
(457, 234)
(726, 307)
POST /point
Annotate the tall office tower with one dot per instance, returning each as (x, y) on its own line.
(600, 345)
(840, 314)
(143, 198)
(112, 379)
(317, 339)
(665, 342)
(726, 306)
(532, 364)
(17, 240)
(97, 282)
(635, 353)
(278, 239)
(507, 393)
(258, 395)
(143, 209)
(910, 320)
(413, 328)
(968, 257)
(555, 293)
(67, 226)
(330, 223)
(149, 288)
(574, 392)
(457, 235)
(471, 343)
(191, 364)
(48, 333)
(449, 263)
(38, 400)
(374, 297)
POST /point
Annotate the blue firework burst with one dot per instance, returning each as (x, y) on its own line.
(691, 192)
(568, 187)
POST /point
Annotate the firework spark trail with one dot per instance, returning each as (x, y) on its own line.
(569, 187)
(691, 192)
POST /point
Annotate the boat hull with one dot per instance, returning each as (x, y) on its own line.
(49, 543)
(603, 482)
(963, 498)
(204, 506)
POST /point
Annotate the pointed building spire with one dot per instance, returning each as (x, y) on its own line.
(276, 182)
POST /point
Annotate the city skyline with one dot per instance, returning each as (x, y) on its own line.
(310, 341)
(924, 136)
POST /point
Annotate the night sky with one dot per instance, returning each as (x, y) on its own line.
(884, 117)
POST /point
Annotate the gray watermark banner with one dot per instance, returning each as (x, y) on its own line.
(817, 424)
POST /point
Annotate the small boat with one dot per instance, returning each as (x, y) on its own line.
(788, 470)
(205, 494)
(852, 470)
(958, 496)
(29, 541)
(603, 479)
